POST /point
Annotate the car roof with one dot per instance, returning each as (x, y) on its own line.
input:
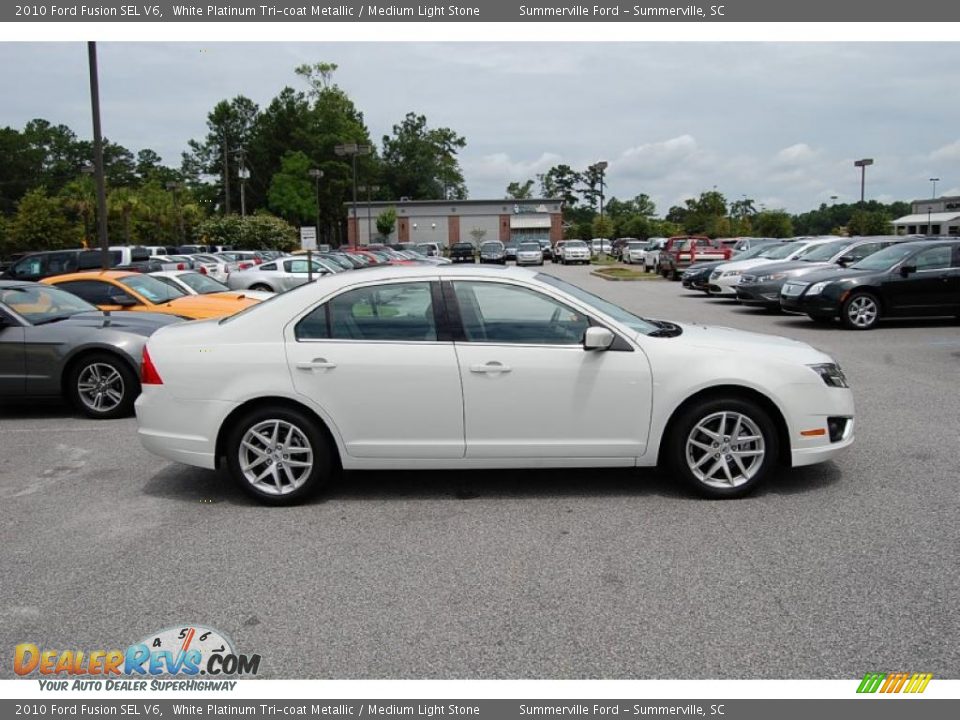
(95, 275)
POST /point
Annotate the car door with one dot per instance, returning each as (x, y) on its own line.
(295, 273)
(921, 284)
(530, 390)
(376, 359)
(12, 357)
(100, 293)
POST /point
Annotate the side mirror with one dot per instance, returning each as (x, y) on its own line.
(597, 338)
(905, 270)
(123, 300)
(845, 260)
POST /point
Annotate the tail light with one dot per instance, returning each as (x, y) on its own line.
(244, 265)
(257, 261)
(181, 266)
(202, 270)
(148, 373)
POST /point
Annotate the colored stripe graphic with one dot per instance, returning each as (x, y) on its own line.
(894, 682)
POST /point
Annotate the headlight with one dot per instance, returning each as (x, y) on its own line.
(817, 288)
(831, 374)
(731, 273)
(774, 276)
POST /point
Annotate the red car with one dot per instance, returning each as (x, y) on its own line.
(682, 251)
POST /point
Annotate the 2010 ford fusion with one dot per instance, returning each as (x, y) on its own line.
(450, 367)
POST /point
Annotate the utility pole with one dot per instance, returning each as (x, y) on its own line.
(226, 177)
(98, 157)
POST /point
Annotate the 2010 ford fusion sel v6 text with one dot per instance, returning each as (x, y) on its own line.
(451, 367)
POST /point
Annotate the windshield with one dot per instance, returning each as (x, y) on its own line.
(151, 288)
(38, 304)
(779, 252)
(203, 284)
(884, 259)
(635, 245)
(823, 253)
(530, 247)
(490, 246)
(575, 244)
(634, 322)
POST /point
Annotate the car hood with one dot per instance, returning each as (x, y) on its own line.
(794, 267)
(731, 340)
(137, 323)
(207, 306)
(834, 273)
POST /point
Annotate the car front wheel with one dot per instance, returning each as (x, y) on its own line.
(278, 455)
(261, 287)
(861, 311)
(723, 448)
(102, 386)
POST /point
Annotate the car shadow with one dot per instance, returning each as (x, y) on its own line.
(195, 485)
(45, 408)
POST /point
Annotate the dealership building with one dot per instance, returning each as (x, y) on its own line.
(938, 216)
(450, 221)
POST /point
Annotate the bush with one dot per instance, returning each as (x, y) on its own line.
(254, 232)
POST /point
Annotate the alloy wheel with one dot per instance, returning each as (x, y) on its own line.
(862, 311)
(725, 449)
(275, 457)
(100, 387)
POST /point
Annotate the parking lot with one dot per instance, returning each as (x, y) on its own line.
(829, 572)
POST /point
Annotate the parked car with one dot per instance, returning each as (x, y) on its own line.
(724, 278)
(216, 267)
(38, 265)
(161, 249)
(546, 248)
(292, 393)
(243, 259)
(600, 245)
(618, 245)
(130, 254)
(529, 253)
(919, 278)
(761, 287)
(281, 275)
(430, 249)
(681, 252)
(492, 251)
(463, 252)
(633, 252)
(575, 251)
(697, 276)
(510, 250)
(651, 253)
(117, 290)
(194, 283)
(54, 344)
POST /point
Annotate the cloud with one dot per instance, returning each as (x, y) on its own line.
(796, 155)
(949, 152)
(501, 168)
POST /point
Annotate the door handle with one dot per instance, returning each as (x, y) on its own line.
(491, 368)
(316, 364)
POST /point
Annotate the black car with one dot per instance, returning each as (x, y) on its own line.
(910, 279)
(38, 265)
(492, 251)
(462, 252)
(510, 250)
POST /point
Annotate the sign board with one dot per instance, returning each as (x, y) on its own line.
(308, 238)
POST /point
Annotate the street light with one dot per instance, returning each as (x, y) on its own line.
(862, 164)
(599, 168)
(316, 174)
(369, 189)
(934, 181)
(98, 156)
(352, 150)
(244, 175)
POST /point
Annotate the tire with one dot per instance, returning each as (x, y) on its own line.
(860, 311)
(690, 447)
(102, 386)
(261, 286)
(304, 437)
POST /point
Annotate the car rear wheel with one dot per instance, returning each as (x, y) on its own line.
(261, 286)
(103, 386)
(861, 311)
(278, 455)
(723, 448)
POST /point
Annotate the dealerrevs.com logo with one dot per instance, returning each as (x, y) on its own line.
(187, 651)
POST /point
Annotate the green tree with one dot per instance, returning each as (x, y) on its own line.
(520, 191)
(386, 221)
(123, 202)
(252, 232)
(773, 223)
(291, 194)
(601, 227)
(869, 222)
(41, 224)
(561, 181)
(421, 163)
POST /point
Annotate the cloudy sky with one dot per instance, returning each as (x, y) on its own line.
(777, 122)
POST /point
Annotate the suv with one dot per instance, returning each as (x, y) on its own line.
(575, 251)
(462, 252)
(682, 251)
(39, 265)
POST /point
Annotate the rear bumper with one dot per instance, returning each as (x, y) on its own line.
(169, 430)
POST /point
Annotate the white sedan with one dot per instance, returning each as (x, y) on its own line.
(194, 283)
(449, 367)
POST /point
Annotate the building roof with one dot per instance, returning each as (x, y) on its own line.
(361, 203)
(921, 218)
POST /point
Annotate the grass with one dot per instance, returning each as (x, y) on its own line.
(624, 273)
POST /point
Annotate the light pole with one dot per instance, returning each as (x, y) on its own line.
(370, 189)
(934, 181)
(316, 174)
(599, 168)
(244, 174)
(352, 150)
(862, 164)
(98, 156)
(175, 188)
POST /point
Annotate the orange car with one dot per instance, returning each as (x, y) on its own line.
(121, 290)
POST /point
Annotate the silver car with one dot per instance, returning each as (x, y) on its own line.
(280, 275)
(529, 253)
(53, 344)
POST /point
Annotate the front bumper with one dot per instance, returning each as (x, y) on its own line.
(766, 294)
(723, 286)
(809, 305)
(814, 415)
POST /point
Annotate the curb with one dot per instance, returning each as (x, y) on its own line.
(604, 276)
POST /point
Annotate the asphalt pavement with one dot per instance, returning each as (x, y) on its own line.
(827, 572)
